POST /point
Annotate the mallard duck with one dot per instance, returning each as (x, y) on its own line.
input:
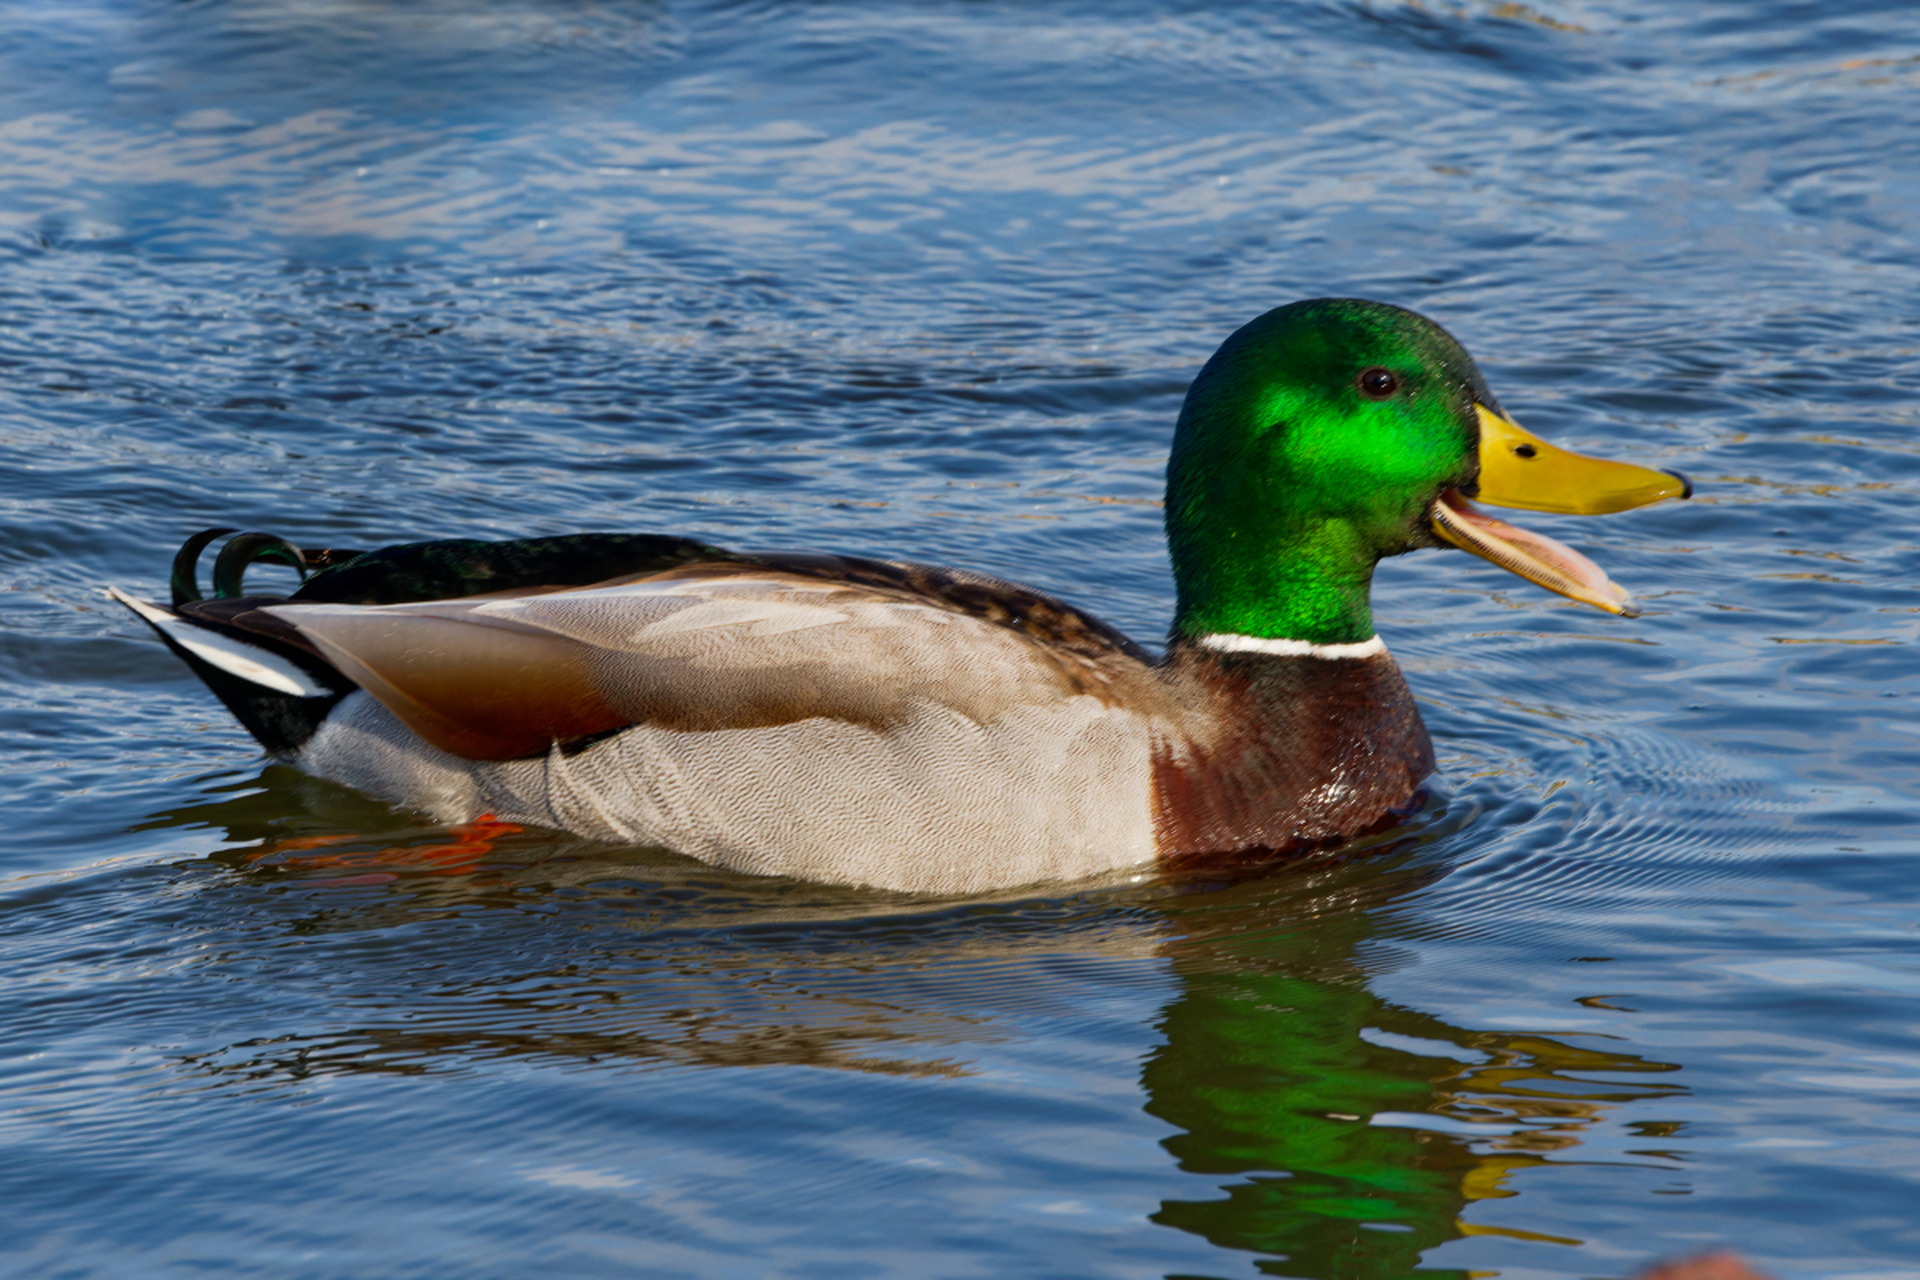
(928, 729)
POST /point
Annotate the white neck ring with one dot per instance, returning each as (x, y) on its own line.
(1230, 642)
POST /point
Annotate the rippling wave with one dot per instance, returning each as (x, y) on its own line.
(928, 280)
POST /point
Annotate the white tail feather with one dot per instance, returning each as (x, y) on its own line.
(235, 657)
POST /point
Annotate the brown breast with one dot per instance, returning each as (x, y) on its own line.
(1294, 752)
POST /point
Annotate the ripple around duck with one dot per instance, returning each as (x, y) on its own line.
(1585, 813)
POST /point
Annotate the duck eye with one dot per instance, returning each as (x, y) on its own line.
(1377, 383)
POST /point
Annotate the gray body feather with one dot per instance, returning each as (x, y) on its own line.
(938, 803)
(774, 724)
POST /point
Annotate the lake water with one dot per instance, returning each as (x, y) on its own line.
(928, 280)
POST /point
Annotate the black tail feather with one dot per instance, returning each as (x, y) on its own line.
(279, 722)
(276, 686)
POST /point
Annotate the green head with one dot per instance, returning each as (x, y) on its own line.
(1315, 441)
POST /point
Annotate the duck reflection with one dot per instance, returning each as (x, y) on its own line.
(1338, 1134)
(1348, 1134)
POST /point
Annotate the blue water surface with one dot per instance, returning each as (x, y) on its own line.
(928, 280)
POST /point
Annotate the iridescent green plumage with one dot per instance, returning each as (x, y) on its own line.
(1287, 482)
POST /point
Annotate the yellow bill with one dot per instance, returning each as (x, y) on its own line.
(1518, 469)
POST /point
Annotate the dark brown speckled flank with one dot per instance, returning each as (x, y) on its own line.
(1297, 752)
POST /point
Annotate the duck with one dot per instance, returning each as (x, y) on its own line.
(918, 728)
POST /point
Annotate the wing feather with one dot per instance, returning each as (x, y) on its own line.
(725, 647)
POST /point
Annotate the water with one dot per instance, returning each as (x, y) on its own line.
(928, 280)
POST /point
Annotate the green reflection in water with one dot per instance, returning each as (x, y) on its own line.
(1324, 1110)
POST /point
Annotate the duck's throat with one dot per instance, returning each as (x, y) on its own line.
(1316, 595)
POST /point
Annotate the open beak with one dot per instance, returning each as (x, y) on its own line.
(1518, 469)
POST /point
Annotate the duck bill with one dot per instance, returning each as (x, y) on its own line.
(1519, 469)
(1534, 556)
